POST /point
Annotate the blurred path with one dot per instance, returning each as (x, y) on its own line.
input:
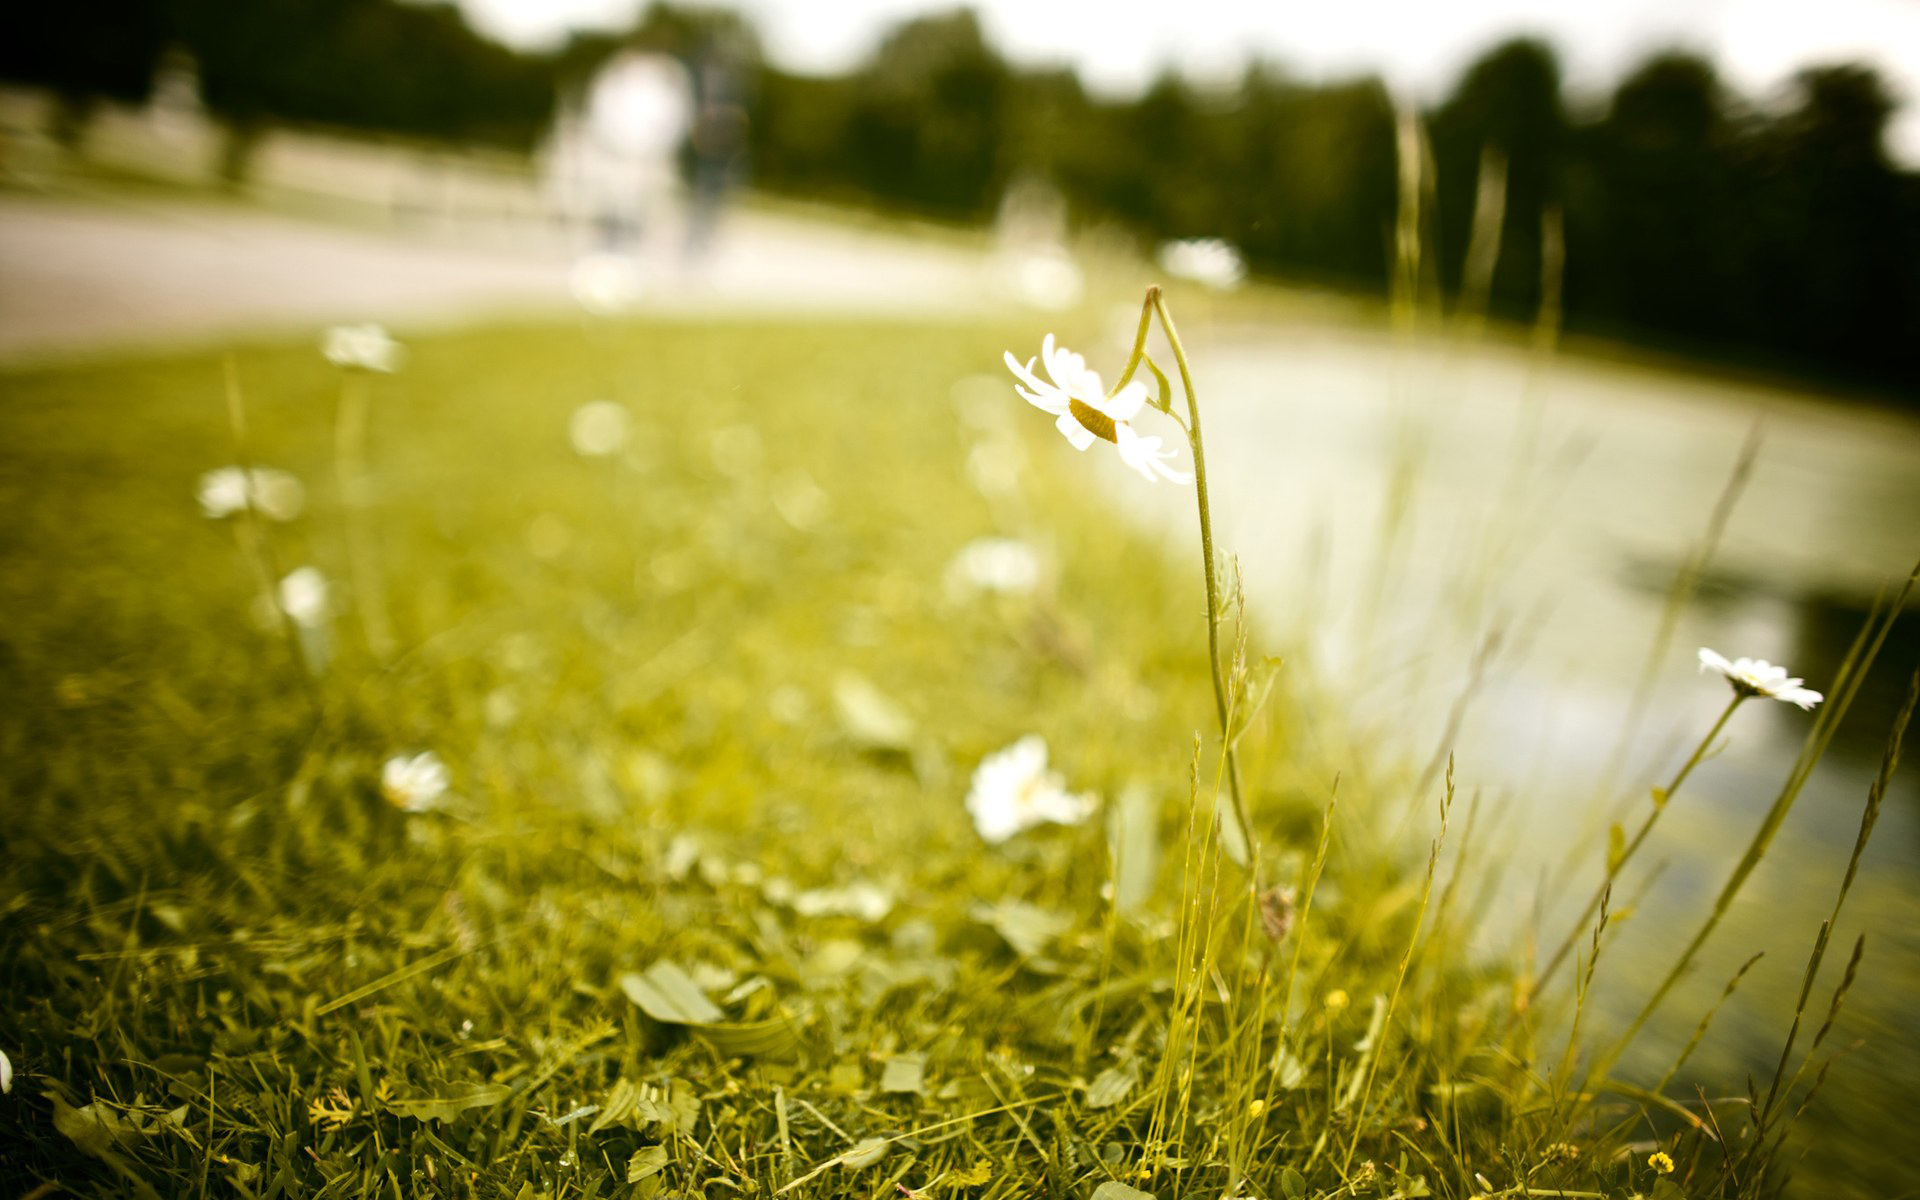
(83, 275)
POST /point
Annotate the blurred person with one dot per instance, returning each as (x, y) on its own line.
(614, 154)
(718, 141)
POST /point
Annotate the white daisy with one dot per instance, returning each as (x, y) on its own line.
(365, 346)
(598, 429)
(275, 494)
(303, 597)
(6, 1072)
(1013, 790)
(1071, 391)
(415, 784)
(1758, 677)
(1208, 261)
(1006, 565)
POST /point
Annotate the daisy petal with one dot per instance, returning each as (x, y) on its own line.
(1126, 404)
(1024, 373)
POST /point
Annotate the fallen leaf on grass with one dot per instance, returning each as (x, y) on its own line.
(1111, 1086)
(669, 995)
(446, 1108)
(904, 1073)
(646, 1163)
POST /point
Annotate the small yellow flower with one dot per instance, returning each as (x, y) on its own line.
(1661, 1162)
(1337, 1000)
(1256, 1108)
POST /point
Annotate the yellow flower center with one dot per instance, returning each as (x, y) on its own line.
(1093, 420)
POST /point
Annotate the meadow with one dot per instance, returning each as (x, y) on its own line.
(701, 909)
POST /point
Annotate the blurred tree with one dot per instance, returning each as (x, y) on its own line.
(926, 121)
(1838, 251)
(1649, 250)
(83, 51)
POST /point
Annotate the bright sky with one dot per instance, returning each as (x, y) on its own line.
(1420, 45)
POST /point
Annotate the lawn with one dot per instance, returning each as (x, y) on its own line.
(702, 911)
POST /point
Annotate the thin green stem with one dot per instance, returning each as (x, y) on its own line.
(1616, 865)
(250, 533)
(349, 446)
(1214, 614)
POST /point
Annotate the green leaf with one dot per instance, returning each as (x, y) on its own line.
(1113, 1189)
(94, 1128)
(1616, 847)
(446, 1108)
(646, 1163)
(673, 1110)
(1026, 928)
(1289, 1072)
(614, 1106)
(1111, 1086)
(775, 1037)
(1164, 401)
(669, 995)
(1293, 1184)
(904, 1073)
(865, 1153)
(1231, 838)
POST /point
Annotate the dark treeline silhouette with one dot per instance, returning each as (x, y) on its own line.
(1781, 236)
(375, 65)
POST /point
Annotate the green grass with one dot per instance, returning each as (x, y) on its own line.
(217, 932)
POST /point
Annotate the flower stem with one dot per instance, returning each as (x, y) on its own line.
(250, 533)
(1640, 835)
(1158, 305)
(349, 460)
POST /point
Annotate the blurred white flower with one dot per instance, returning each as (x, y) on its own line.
(1013, 790)
(995, 565)
(1208, 261)
(365, 346)
(6, 1072)
(598, 429)
(862, 900)
(1758, 677)
(1046, 278)
(276, 495)
(606, 285)
(1072, 393)
(414, 784)
(303, 597)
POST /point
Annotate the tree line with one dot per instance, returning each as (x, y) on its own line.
(1688, 216)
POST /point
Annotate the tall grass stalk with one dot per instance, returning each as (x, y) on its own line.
(1618, 856)
(1483, 243)
(1412, 235)
(1853, 670)
(1876, 793)
(1685, 586)
(350, 468)
(1383, 1024)
(256, 548)
(1680, 593)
